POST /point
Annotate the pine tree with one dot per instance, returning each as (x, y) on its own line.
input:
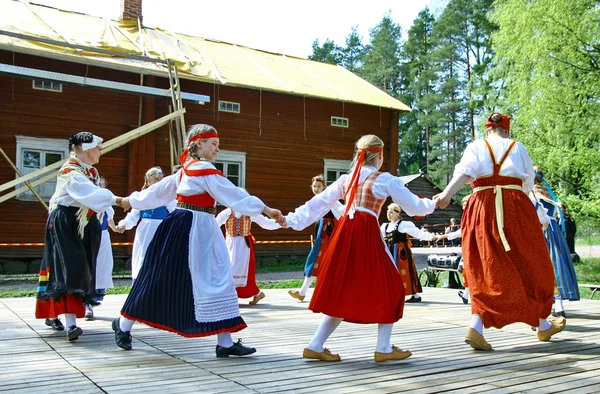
(329, 52)
(352, 56)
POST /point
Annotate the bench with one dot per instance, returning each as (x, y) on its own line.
(594, 288)
(435, 272)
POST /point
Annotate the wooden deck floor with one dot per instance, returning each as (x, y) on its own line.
(33, 358)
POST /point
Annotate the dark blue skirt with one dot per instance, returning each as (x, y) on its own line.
(162, 295)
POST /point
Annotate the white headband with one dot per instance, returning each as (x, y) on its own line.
(87, 146)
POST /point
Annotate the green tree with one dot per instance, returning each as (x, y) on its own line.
(329, 52)
(548, 59)
(352, 56)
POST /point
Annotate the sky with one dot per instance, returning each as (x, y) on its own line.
(279, 26)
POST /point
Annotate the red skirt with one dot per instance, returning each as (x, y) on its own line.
(506, 287)
(251, 289)
(68, 303)
(407, 269)
(358, 280)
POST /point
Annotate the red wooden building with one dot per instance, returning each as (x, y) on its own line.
(281, 119)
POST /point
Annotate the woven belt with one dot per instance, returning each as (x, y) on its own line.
(192, 207)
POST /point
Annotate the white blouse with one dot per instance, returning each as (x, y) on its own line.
(219, 187)
(80, 191)
(476, 161)
(408, 228)
(385, 185)
(261, 220)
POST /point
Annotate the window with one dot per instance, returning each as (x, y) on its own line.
(233, 166)
(339, 122)
(334, 169)
(40, 84)
(228, 106)
(35, 153)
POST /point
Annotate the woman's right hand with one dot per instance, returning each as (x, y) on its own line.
(276, 215)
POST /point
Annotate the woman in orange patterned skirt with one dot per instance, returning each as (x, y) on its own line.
(359, 282)
(507, 266)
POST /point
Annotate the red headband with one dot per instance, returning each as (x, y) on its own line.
(202, 136)
(318, 179)
(353, 185)
(504, 123)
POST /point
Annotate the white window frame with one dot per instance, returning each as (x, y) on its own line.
(338, 121)
(45, 145)
(229, 156)
(233, 104)
(52, 84)
(339, 166)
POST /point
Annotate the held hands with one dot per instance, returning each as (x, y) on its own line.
(120, 229)
(442, 200)
(276, 215)
(123, 202)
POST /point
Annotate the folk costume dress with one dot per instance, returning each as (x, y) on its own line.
(148, 219)
(185, 284)
(396, 237)
(67, 273)
(359, 281)
(323, 232)
(507, 265)
(105, 262)
(240, 244)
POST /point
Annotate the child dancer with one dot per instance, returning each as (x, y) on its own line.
(323, 230)
(67, 279)
(150, 220)
(185, 284)
(395, 234)
(240, 244)
(359, 282)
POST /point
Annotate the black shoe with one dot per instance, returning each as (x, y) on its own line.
(558, 314)
(56, 324)
(122, 338)
(236, 350)
(74, 333)
(413, 299)
(464, 300)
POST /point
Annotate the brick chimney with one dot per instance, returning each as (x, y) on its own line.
(131, 10)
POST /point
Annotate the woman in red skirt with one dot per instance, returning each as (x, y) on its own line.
(507, 264)
(358, 281)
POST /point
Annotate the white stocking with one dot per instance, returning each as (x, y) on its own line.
(224, 339)
(307, 282)
(477, 324)
(327, 327)
(544, 325)
(384, 336)
(125, 324)
(70, 319)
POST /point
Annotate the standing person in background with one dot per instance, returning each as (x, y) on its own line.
(507, 265)
(240, 244)
(348, 289)
(396, 234)
(72, 237)
(185, 285)
(323, 230)
(104, 262)
(149, 220)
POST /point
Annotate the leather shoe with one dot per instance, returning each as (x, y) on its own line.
(257, 298)
(237, 349)
(557, 326)
(56, 324)
(325, 355)
(296, 295)
(476, 340)
(413, 300)
(122, 338)
(395, 354)
(73, 333)
(461, 294)
(559, 314)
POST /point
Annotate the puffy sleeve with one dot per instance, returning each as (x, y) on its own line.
(222, 216)
(87, 194)
(409, 202)
(158, 195)
(131, 219)
(412, 230)
(527, 168)
(454, 234)
(315, 208)
(266, 223)
(171, 206)
(468, 162)
(110, 212)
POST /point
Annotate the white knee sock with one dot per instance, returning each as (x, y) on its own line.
(558, 305)
(544, 325)
(327, 327)
(307, 282)
(70, 319)
(125, 324)
(477, 324)
(466, 293)
(384, 336)
(224, 339)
